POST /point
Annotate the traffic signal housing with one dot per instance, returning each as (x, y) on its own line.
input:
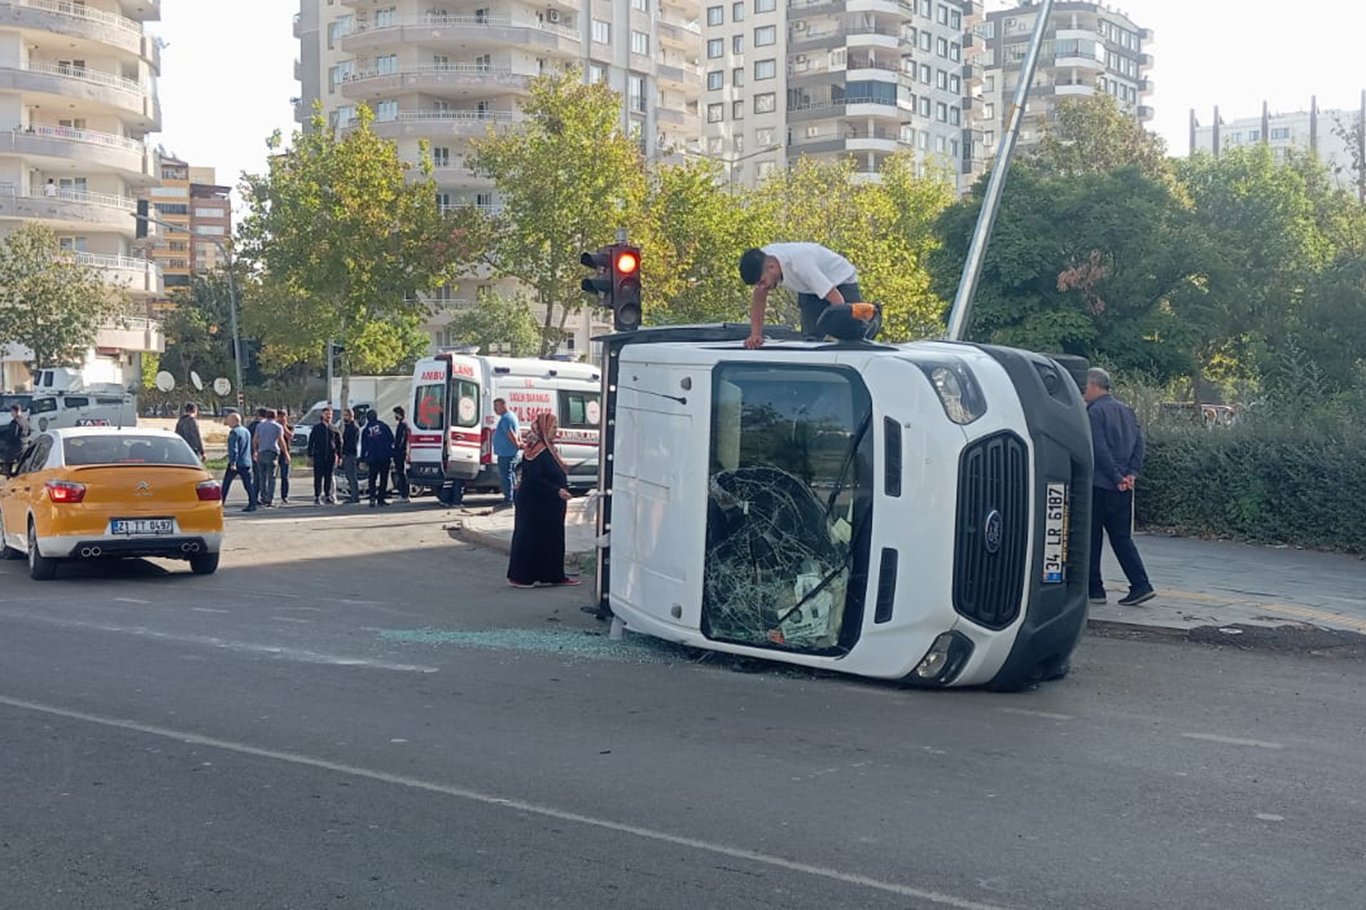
(616, 282)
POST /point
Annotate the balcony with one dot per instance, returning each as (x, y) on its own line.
(77, 20)
(88, 147)
(877, 108)
(73, 209)
(461, 31)
(1146, 113)
(433, 77)
(137, 276)
(133, 333)
(146, 10)
(441, 124)
(680, 35)
(83, 84)
(683, 75)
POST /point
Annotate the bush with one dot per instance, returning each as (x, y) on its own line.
(1303, 486)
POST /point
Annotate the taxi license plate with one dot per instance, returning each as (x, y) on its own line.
(1055, 534)
(140, 527)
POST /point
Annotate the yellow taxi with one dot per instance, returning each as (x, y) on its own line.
(96, 493)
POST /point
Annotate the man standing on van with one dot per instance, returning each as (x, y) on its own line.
(350, 451)
(818, 276)
(402, 432)
(377, 450)
(267, 446)
(507, 442)
(1118, 444)
(187, 428)
(239, 461)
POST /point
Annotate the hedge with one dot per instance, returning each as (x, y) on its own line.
(1301, 488)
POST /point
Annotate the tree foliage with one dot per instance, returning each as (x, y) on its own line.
(1093, 135)
(502, 323)
(50, 303)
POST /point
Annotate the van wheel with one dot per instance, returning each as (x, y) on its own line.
(204, 564)
(40, 567)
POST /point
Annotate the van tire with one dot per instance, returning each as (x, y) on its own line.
(40, 567)
(204, 564)
(1053, 668)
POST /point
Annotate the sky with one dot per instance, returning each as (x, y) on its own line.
(228, 69)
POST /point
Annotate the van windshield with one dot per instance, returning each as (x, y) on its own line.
(789, 503)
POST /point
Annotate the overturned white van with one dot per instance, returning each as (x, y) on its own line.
(915, 512)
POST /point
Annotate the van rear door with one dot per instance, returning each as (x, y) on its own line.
(464, 432)
(426, 447)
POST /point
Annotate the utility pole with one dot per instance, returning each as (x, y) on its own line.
(1361, 149)
(986, 220)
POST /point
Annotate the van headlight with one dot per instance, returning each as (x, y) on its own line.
(957, 389)
(945, 659)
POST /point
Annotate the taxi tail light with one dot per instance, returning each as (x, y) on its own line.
(210, 491)
(486, 446)
(65, 491)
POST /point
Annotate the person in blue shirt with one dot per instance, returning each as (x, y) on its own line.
(239, 461)
(1118, 444)
(507, 442)
(377, 450)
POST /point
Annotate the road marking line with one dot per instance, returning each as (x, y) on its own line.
(1233, 740)
(291, 619)
(130, 600)
(1047, 715)
(516, 805)
(209, 610)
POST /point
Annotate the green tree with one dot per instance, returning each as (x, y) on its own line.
(503, 323)
(1093, 135)
(198, 330)
(566, 176)
(50, 303)
(342, 236)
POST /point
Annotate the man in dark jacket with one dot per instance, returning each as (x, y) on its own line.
(350, 452)
(377, 451)
(1118, 444)
(187, 428)
(402, 432)
(324, 450)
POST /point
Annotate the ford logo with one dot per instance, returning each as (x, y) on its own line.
(993, 530)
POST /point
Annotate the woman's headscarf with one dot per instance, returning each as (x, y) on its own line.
(542, 438)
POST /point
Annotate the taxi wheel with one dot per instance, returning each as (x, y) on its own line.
(204, 564)
(40, 567)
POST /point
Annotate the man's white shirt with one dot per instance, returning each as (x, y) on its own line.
(809, 268)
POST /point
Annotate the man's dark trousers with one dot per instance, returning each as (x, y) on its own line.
(401, 476)
(812, 306)
(379, 480)
(1112, 513)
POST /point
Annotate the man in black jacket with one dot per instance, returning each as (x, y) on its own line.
(325, 451)
(187, 428)
(350, 454)
(402, 432)
(1118, 444)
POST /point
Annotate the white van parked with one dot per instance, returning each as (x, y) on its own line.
(453, 420)
(61, 398)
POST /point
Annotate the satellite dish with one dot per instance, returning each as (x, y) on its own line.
(198, 383)
(221, 386)
(165, 381)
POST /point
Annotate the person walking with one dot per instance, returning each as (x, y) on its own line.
(507, 442)
(266, 447)
(377, 451)
(12, 440)
(350, 453)
(818, 276)
(260, 419)
(239, 461)
(324, 451)
(1118, 445)
(187, 428)
(282, 418)
(538, 525)
(402, 437)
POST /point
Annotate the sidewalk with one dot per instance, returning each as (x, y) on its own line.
(1199, 582)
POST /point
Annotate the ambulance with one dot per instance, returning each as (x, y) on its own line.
(453, 420)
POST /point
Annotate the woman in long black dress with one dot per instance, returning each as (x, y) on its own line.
(538, 531)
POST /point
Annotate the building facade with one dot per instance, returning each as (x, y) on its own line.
(195, 212)
(1329, 135)
(1089, 48)
(444, 72)
(836, 79)
(78, 96)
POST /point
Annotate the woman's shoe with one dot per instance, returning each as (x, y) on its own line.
(568, 582)
(518, 584)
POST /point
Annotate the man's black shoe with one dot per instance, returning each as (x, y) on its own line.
(1137, 597)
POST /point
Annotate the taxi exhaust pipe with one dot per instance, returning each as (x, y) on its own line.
(91, 552)
(189, 548)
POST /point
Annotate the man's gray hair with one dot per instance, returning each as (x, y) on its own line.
(1099, 377)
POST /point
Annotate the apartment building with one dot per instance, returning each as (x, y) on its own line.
(1089, 48)
(837, 78)
(195, 212)
(1329, 135)
(444, 72)
(210, 219)
(78, 96)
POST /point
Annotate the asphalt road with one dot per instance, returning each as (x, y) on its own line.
(357, 712)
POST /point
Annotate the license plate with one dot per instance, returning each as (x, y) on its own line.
(1055, 534)
(139, 527)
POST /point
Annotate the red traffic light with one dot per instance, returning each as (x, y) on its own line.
(627, 262)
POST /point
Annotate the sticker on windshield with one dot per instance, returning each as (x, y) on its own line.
(467, 410)
(593, 412)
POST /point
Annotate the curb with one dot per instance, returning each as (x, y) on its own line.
(482, 538)
(1115, 625)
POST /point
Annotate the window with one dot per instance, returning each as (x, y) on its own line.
(955, 116)
(765, 36)
(386, 111)
(716, 15)
(954, 147)
(715, 144)
(765, 69)
(941, 47)
(210, 213)
(716, 80)
(941, 79)
(764, 137)
(737, 110)
(386, 18)
(737, 77)
(765, 169)
(765, 6)
(738, 144)
(737, 44)
(579, 410)
(955, 51)
(989, 84)
(955, 85)
(940, 144)
(596, 74)
(989, 139)
(926, 41)
(924, 106)
(1280, 132)
(640, 43)
(642, 5)
(716, 113)
(429, 406)
(636, 93)
(943, 14)
(926, 74)
(602, 32)
(209, 230)
(923, 141)
(941, 112)
(441, 157)
(785, 438)
(386, 65)
(926, 8)
(766, 103)
(737, 11)
(340, 27)
(989, 111)
(715, 48)
(956, 20)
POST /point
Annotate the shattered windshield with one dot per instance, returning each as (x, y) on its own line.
(789, 497)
